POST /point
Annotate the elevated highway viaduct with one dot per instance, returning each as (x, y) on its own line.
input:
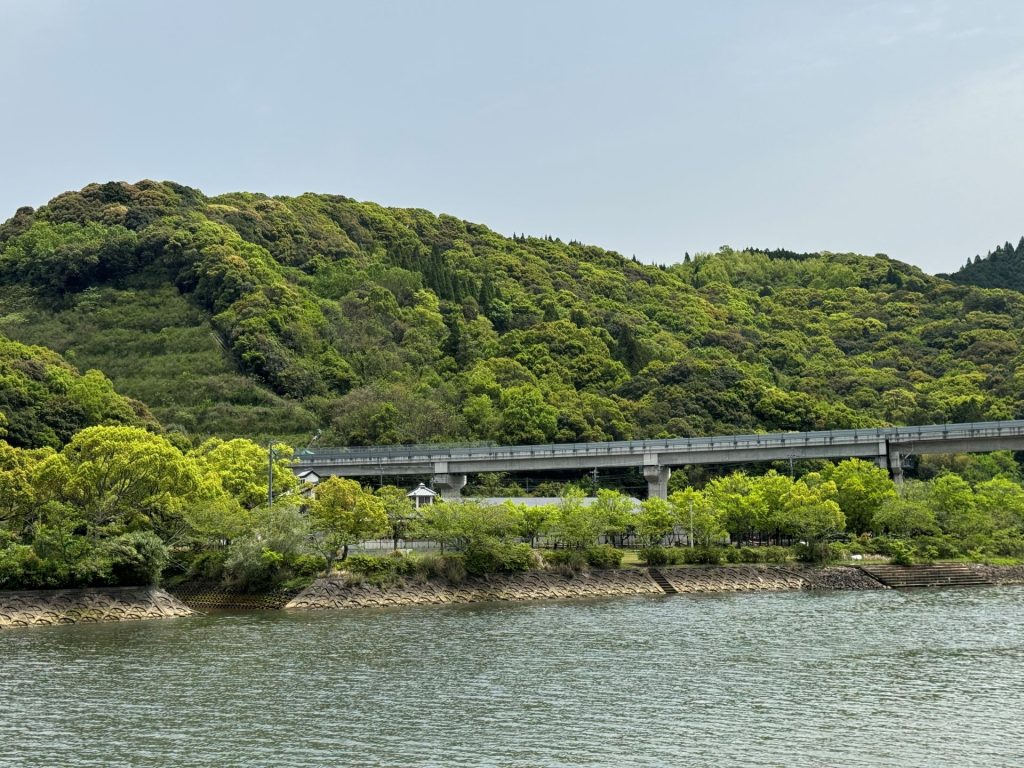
(448, 465)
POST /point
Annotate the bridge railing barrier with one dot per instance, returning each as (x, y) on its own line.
(424, 453)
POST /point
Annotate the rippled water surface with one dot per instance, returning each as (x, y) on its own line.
(933, 677)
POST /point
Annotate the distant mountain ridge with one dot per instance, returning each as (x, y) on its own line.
(245, 314)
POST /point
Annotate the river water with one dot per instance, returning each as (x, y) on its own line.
(886, 678)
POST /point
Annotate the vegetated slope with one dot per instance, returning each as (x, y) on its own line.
(44, 400)
(1001, 268)
(247, 314)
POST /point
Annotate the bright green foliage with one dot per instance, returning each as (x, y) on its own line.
(216, 517)
(696, 514)
(908, 514)
(1002, 501)
(483, 534)
(464, 524)
(614, 510)
(730, 497)
(17, 491)
(809, 514)
(525, 417)
(533, 521)
(952, 500)
(767, 503)
(343, 514)
(242, 468)
(861, 489)
(399, 510)
(578, 526)
(119, 479)
(654, 521)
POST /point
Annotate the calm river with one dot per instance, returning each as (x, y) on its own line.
(925, 678)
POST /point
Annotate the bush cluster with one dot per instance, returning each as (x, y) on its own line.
(57, 559)
(712, 555)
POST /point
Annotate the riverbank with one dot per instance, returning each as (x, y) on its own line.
(1000, 574)
(29, 608)
(340, 593)
(71, 606)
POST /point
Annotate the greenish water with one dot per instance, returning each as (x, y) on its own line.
(918, 678)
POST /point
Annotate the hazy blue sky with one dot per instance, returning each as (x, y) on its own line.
(652, 128)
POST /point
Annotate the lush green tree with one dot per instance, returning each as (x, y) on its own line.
(17, 492)
(120, 479)
(810, 514)
(695, 513)
(1002, 501)
(952, 500)
(216, 517)
(861, 489)
(615, 509)
(399, 510)
(343, 514)
(654, 521)
(908, 514)
(766, 504)
(578, 526)
(260, 559)
(534, 520)
(526, 417)
(438, 522)
(729, 497)
(242, 468)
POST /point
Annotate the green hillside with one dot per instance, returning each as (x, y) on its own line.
(252, 315)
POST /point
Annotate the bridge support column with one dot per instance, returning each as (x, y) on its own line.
(449, 485)
(896, 467)
(657, 481)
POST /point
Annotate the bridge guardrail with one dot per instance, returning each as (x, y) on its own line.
(419, 453)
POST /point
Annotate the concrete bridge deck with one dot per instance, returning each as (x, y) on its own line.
(448, 465)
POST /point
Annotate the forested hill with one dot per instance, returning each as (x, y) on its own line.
(1001, 268)
(255, 315)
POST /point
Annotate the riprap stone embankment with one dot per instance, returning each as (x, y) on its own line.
(339, 593)
(74, 606)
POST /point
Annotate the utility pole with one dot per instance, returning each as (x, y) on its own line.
(270, 473)
(594, 473)
(691, 521)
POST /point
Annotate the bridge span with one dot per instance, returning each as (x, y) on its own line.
(448, 465)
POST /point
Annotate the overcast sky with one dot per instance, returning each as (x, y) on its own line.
(652, 128)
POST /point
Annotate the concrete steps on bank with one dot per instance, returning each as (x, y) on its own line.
(661, 581)
(938, 575)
